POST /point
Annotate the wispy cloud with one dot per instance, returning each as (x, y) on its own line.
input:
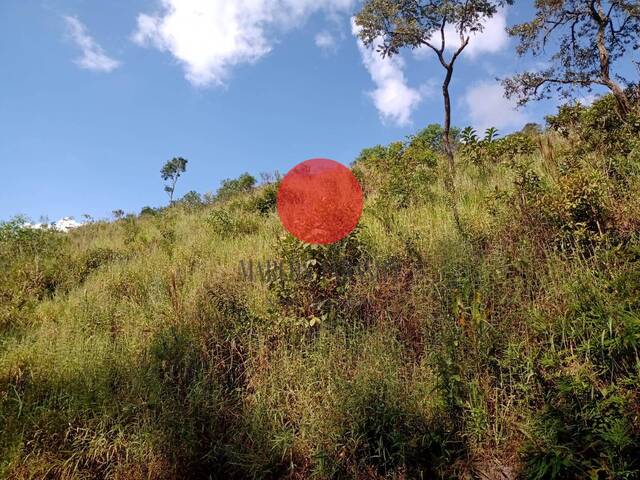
(326, 41)
(492, 39)
(211, 37)
(487, 107)
(93, 55)
(393, 98)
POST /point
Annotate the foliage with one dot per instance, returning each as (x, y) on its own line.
(391, 26)
(230, 188)
(171, 172)
(598, 127)
(311, 282)
(590, 38)
(32, 264)
(533, 130)
(265, 199)
(149, 211)
(469, 136)
(191, 200)
(229, 225)
(587, 427)
(431, 137)
(491, 149)
(401, 173)
(413, 24)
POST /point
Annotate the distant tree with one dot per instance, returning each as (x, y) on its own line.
(270, 177)
(532, 129)
(393, 24)
(171, 173)
(589, 36)
(231, 187)
(208, 198)
(191, 199)
(148, 211)
(266, 177)
(87, 218)
(118, 214)
(433, 136)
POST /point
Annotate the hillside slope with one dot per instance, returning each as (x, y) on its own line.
(143, 349)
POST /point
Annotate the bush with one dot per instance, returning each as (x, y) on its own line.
(233, 187)
(588, 422)
(33, 264)
(490, 151)
(93, 259)
(401, 174)
(265, 200)
(149, 211)
(311, 282)
(597, 128)
(380, 430)
(191, 200)
(228, 225)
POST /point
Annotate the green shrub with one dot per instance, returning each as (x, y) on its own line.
(311, 282)
(191, 200)
(149, 211)
(232, 187)
(587, 426)
(401, 174)
(597, 128)
(228, 225)
(380, 430)
(491, 150)
(33, 264)
(265, 200)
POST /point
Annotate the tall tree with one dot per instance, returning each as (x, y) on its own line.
(171, 173)
(589, 35)
(393, 24)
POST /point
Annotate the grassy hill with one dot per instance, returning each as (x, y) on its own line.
(140, 349)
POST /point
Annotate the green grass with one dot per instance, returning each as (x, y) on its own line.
(134, 349)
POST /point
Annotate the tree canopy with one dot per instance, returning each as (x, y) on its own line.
(171, 172)
(589, 36)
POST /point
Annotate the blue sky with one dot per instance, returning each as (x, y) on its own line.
(96, 96)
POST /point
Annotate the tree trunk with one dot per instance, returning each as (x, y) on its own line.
(605, 63)
(622, 99)
(449, 181)
(173, 187)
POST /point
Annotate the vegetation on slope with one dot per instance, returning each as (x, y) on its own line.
(140, 349)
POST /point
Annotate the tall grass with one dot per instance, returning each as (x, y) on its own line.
(135, 349)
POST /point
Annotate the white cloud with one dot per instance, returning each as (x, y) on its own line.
(492, 39)
(63, 225)
(588, 99)
(210, 37)
(93, 56)
(393, 98)
(326, 41)
(487, 107)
